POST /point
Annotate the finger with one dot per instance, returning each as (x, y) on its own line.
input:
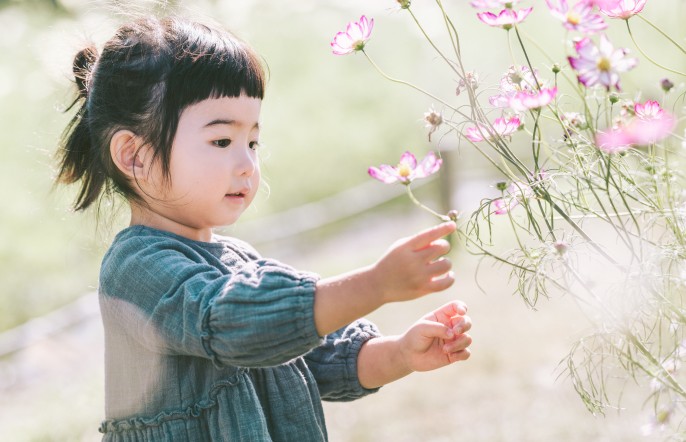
(461, 324)
(445, 313)
(441, 283)
(435, 250)
(439, 267)
(462, 355)
(458, 344)
(426, 237)
(430, 329)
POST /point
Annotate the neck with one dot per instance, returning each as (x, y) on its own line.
(146, 216)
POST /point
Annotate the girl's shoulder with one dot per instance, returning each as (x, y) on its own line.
(140, 241)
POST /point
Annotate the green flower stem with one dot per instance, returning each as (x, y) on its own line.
(419, 204)
(649, 356)
(581, 232)
(433, 45)
(405, 83)
(628, 27)
(452, 31)
(657, 28)
(491, 255)
(526, 55)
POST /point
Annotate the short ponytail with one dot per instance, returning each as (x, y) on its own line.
(83, 66)
(76, 156)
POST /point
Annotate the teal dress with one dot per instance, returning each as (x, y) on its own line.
(207, 341)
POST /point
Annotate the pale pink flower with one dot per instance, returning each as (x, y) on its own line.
(487, 4)
(354, 37)
(600, 64)
(525, 100)
(580, 17)
(501, 128)
(506, 19)
(623, 9)
(651, 131)
(515, 80)
(407, 169)
(650, 110)
(650, 124)
(615, 140)
(516, 193)
(601, 3)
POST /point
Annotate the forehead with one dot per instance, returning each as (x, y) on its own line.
(239, 111)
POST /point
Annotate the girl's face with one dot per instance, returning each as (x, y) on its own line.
(214, 168)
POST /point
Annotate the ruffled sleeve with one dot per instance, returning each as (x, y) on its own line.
(334, 363)
(172, 299)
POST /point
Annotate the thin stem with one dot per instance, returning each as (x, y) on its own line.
(405, 83)
(433, 45)
(419, 204)
(657, 28)
(628, 27)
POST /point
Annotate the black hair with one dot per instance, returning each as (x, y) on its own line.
(147, 74)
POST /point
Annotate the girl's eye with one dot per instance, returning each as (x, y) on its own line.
(254, 145)
(224, 142)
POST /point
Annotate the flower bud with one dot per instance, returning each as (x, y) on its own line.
(614, 98)
(404, 4)
(501, 185)
(561, 247)
(556, 68)
(453, 215)
(666, 84)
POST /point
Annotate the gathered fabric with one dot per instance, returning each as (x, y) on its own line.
(208, 341)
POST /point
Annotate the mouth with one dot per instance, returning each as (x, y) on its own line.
(236, 194)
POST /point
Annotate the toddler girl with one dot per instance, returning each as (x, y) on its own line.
(205, 340)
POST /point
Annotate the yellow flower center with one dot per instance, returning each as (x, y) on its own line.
(604, 64)
(573, 19)
(404, 170)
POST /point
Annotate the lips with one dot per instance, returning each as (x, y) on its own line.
(239, 194)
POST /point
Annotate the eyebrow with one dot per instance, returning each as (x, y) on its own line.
(219, 122)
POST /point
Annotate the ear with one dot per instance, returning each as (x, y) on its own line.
(128, 154)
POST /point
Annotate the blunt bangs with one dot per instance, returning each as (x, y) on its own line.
(209, 64)
(204, 63)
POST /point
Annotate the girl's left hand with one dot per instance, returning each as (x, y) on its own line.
(438, 339)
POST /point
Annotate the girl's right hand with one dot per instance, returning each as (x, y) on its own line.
(415, 266)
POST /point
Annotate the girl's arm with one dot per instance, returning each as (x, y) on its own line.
(436, 340)
(413, 267)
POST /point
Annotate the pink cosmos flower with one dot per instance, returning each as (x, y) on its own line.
(515, 80)
(501, 128)
(601, 3)
(650, 110)
(578, 18)
(506, 19)
(615, 140)
(407, 169)
(650, 124)
(600, 64)
(623, 9)
(354, 38)
(525, 100)
(486, 4)
(515, 194)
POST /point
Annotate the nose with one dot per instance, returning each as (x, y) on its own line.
(245, 162)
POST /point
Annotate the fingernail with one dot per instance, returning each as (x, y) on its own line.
(449, 333)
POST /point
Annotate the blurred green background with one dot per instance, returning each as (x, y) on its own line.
(325, 120)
